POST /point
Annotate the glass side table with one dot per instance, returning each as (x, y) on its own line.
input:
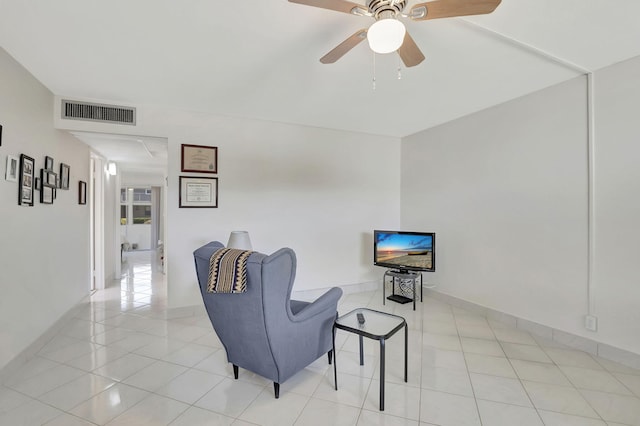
(378, 326)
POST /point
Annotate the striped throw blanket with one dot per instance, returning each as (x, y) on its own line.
(228, 271)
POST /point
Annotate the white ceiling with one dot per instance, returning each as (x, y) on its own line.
(139, 154)
(259, 59)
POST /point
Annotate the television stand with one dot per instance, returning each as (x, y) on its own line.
(406, 281)
(399, 298)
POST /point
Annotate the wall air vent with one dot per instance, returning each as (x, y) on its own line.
(98, 112)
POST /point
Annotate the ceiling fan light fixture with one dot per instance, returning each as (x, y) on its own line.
(386, 35)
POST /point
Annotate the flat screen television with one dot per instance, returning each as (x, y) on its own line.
(405, 251)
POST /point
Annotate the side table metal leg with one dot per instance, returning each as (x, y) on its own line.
(406, 347)
(335, 359)
(382, 362)
(361, 350)
(384, 288)
(413, 281)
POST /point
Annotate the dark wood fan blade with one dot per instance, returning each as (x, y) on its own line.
(450, 8)
(338, 5)
(339, 51)
(410, 52)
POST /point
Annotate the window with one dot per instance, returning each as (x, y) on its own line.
(142, 214)
(135, 206)
(123, 214)
(141, 195)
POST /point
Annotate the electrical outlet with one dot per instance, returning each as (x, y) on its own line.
(591, 322)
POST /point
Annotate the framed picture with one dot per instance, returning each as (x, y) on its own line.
(12, 168)
(0, 134)
(199, 159)
(47, 194)
(38, 184)
(82, 192)
(49, 178)
(64, 176)
(48, 163)
(198, 192)
(25, 190)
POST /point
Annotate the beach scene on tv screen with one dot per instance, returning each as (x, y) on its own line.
(405, 250)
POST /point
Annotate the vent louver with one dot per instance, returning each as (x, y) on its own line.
(98, 112)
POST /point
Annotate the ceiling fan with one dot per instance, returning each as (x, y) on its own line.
(388, 34)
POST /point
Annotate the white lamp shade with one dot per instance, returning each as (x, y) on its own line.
(239, 240)
(386, 35)
(112, 169)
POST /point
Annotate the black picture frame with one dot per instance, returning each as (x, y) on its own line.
(82, 192)
(198, 192)
(49, 178)
(0, 134)
(13, 168)
(199, 158)
(65, 172)
(47, 194)
(27, 182)
(48, 163)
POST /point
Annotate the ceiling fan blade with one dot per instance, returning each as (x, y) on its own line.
(450, 8)
(339, 51)
(410, 52)
(337, 5)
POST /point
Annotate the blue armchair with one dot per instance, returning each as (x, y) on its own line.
(263, 330)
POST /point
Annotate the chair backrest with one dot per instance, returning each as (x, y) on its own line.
(244, 321)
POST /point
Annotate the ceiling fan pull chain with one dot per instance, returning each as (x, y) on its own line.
(399, 69)
(374, 71)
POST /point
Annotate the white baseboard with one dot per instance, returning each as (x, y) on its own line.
(346, 289)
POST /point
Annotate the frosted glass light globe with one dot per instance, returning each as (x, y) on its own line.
(386, 35)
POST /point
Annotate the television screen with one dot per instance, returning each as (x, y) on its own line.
(405, 251)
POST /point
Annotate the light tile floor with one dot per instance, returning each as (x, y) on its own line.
(120, 362)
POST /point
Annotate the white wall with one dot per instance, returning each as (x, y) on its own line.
(138, 234)
(506, 191)
(44, 254)
(318, 191)
(111, 224)
(617, 208)
(130, 178)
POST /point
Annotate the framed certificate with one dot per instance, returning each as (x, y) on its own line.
(198, 192)
(199, 159)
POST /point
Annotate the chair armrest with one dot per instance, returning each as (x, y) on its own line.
(328, 301)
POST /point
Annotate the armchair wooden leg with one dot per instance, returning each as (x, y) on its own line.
(235, 371)
(276, 389)
(330, 355)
